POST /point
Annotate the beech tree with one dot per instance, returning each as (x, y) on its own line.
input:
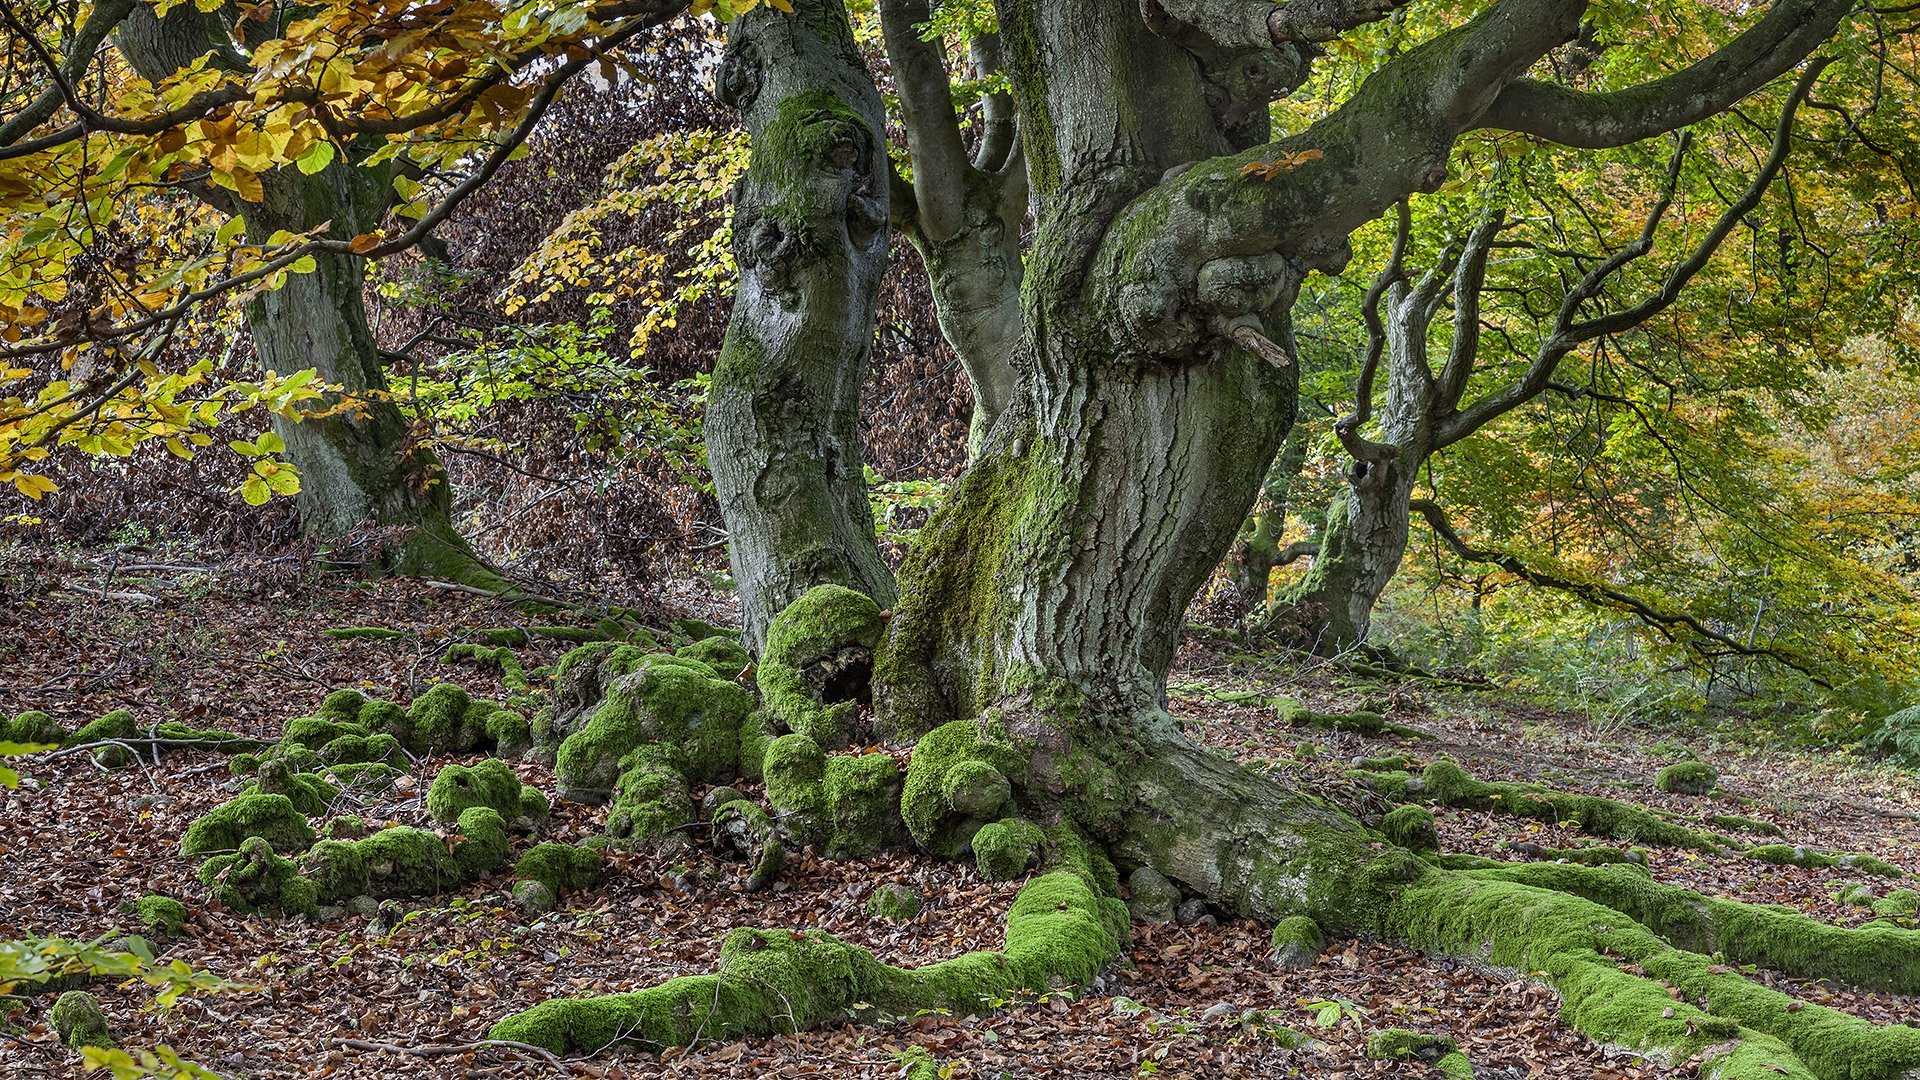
(1024, 654)
(1430, 406)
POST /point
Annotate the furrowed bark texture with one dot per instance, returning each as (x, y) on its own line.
(358, 467)
(810, 239)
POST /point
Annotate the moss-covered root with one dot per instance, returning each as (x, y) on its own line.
(817, 667)
(846, 804)
(1444, 783)
(1060, 933)
(1622, 985)
(1873, 957)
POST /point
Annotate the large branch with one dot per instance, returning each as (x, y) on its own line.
(1569, 332)
(940, 162)
(1680, 629)
(1786, 35)
(1261, 24)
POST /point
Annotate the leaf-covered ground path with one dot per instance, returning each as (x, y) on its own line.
(242, 647)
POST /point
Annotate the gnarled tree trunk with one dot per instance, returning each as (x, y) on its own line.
(810, 240)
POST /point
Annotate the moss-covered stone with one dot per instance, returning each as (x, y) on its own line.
(343, 705)
(817, 667)
(895, 903)
(272, 818)
(379, 748)
(535, 897)
(1005, 849)
(1151, 897)
(1060, 933)
(490, 782)
(1399, 1044)
(741, 826)
(337, 869)
(79, 1021)
(723, 654)
(1296, 943)
(1687, 778)
(160, 916)
(666, 700)
(33, 728)
(651, 799)
(314, 732)
(436, 723)
(403, 861)
(560, 867)
(310, 793)
(1412, 828)
(483, 846)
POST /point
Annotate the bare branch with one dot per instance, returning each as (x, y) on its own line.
(1470, 277)
(1677, 628)
(100, 22)
(1348, 429)
(1788, 33)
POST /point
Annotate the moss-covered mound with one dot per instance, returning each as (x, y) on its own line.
(560, 867)
(817, 667)
(848, 805)
(159, 916)
(667, 701)
(33, 728)
(1687, 778)
(490, 783)
(1444, 783)
(271, 818)
(79, 1021)
(956, 785)
(1060, 933)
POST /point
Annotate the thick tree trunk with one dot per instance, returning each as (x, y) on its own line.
(1331, 608)
(810, 239)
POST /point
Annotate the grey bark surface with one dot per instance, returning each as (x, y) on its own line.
(810, 240)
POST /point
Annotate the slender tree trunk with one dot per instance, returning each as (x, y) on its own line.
(358, 467)
(1257, 550)
(810, 239)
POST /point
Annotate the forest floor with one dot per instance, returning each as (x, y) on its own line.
(239, 644)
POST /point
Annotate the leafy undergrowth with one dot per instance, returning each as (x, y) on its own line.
(225, 650)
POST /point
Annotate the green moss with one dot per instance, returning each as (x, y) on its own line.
(435, 723)
(1059, 935)
(118, 724)
(1004, 849)
(337, 868)
(314, 732)
(666, 700)
(159, 916)
(404, 861)
(255, 879)
(937, 825)
(895, 903)
(1445, 783)
(483, 846)
(724, 655)
(270, 817)
(1743, 824)
(343, 705)
(1898, 902)
(79, 1021)
(33, 727)
(651, 797)
(743, 827)
(916, 1063)
(490, 783)
(846, 804)
(1412, 828)
(816, 667)
(384, 717)
(1399, 1044)
(501, 657)
(310, 793)
(360, 749)
(178, 736)
(560, 867)
(1687, 778)
(1795, 855)
(509, 731)
(365, 777)
(1296, 943)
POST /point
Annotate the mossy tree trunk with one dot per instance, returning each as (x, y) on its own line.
(359, 467)
(810, 240)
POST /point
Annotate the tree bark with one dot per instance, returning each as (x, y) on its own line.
(810, 240)
(358, 467)
(1257, 550)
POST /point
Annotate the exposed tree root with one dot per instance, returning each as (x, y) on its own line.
(1060, 934)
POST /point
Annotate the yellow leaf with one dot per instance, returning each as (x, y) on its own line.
(33, 486)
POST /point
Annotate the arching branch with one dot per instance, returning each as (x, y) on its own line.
(1677, 628)
(940, 162)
